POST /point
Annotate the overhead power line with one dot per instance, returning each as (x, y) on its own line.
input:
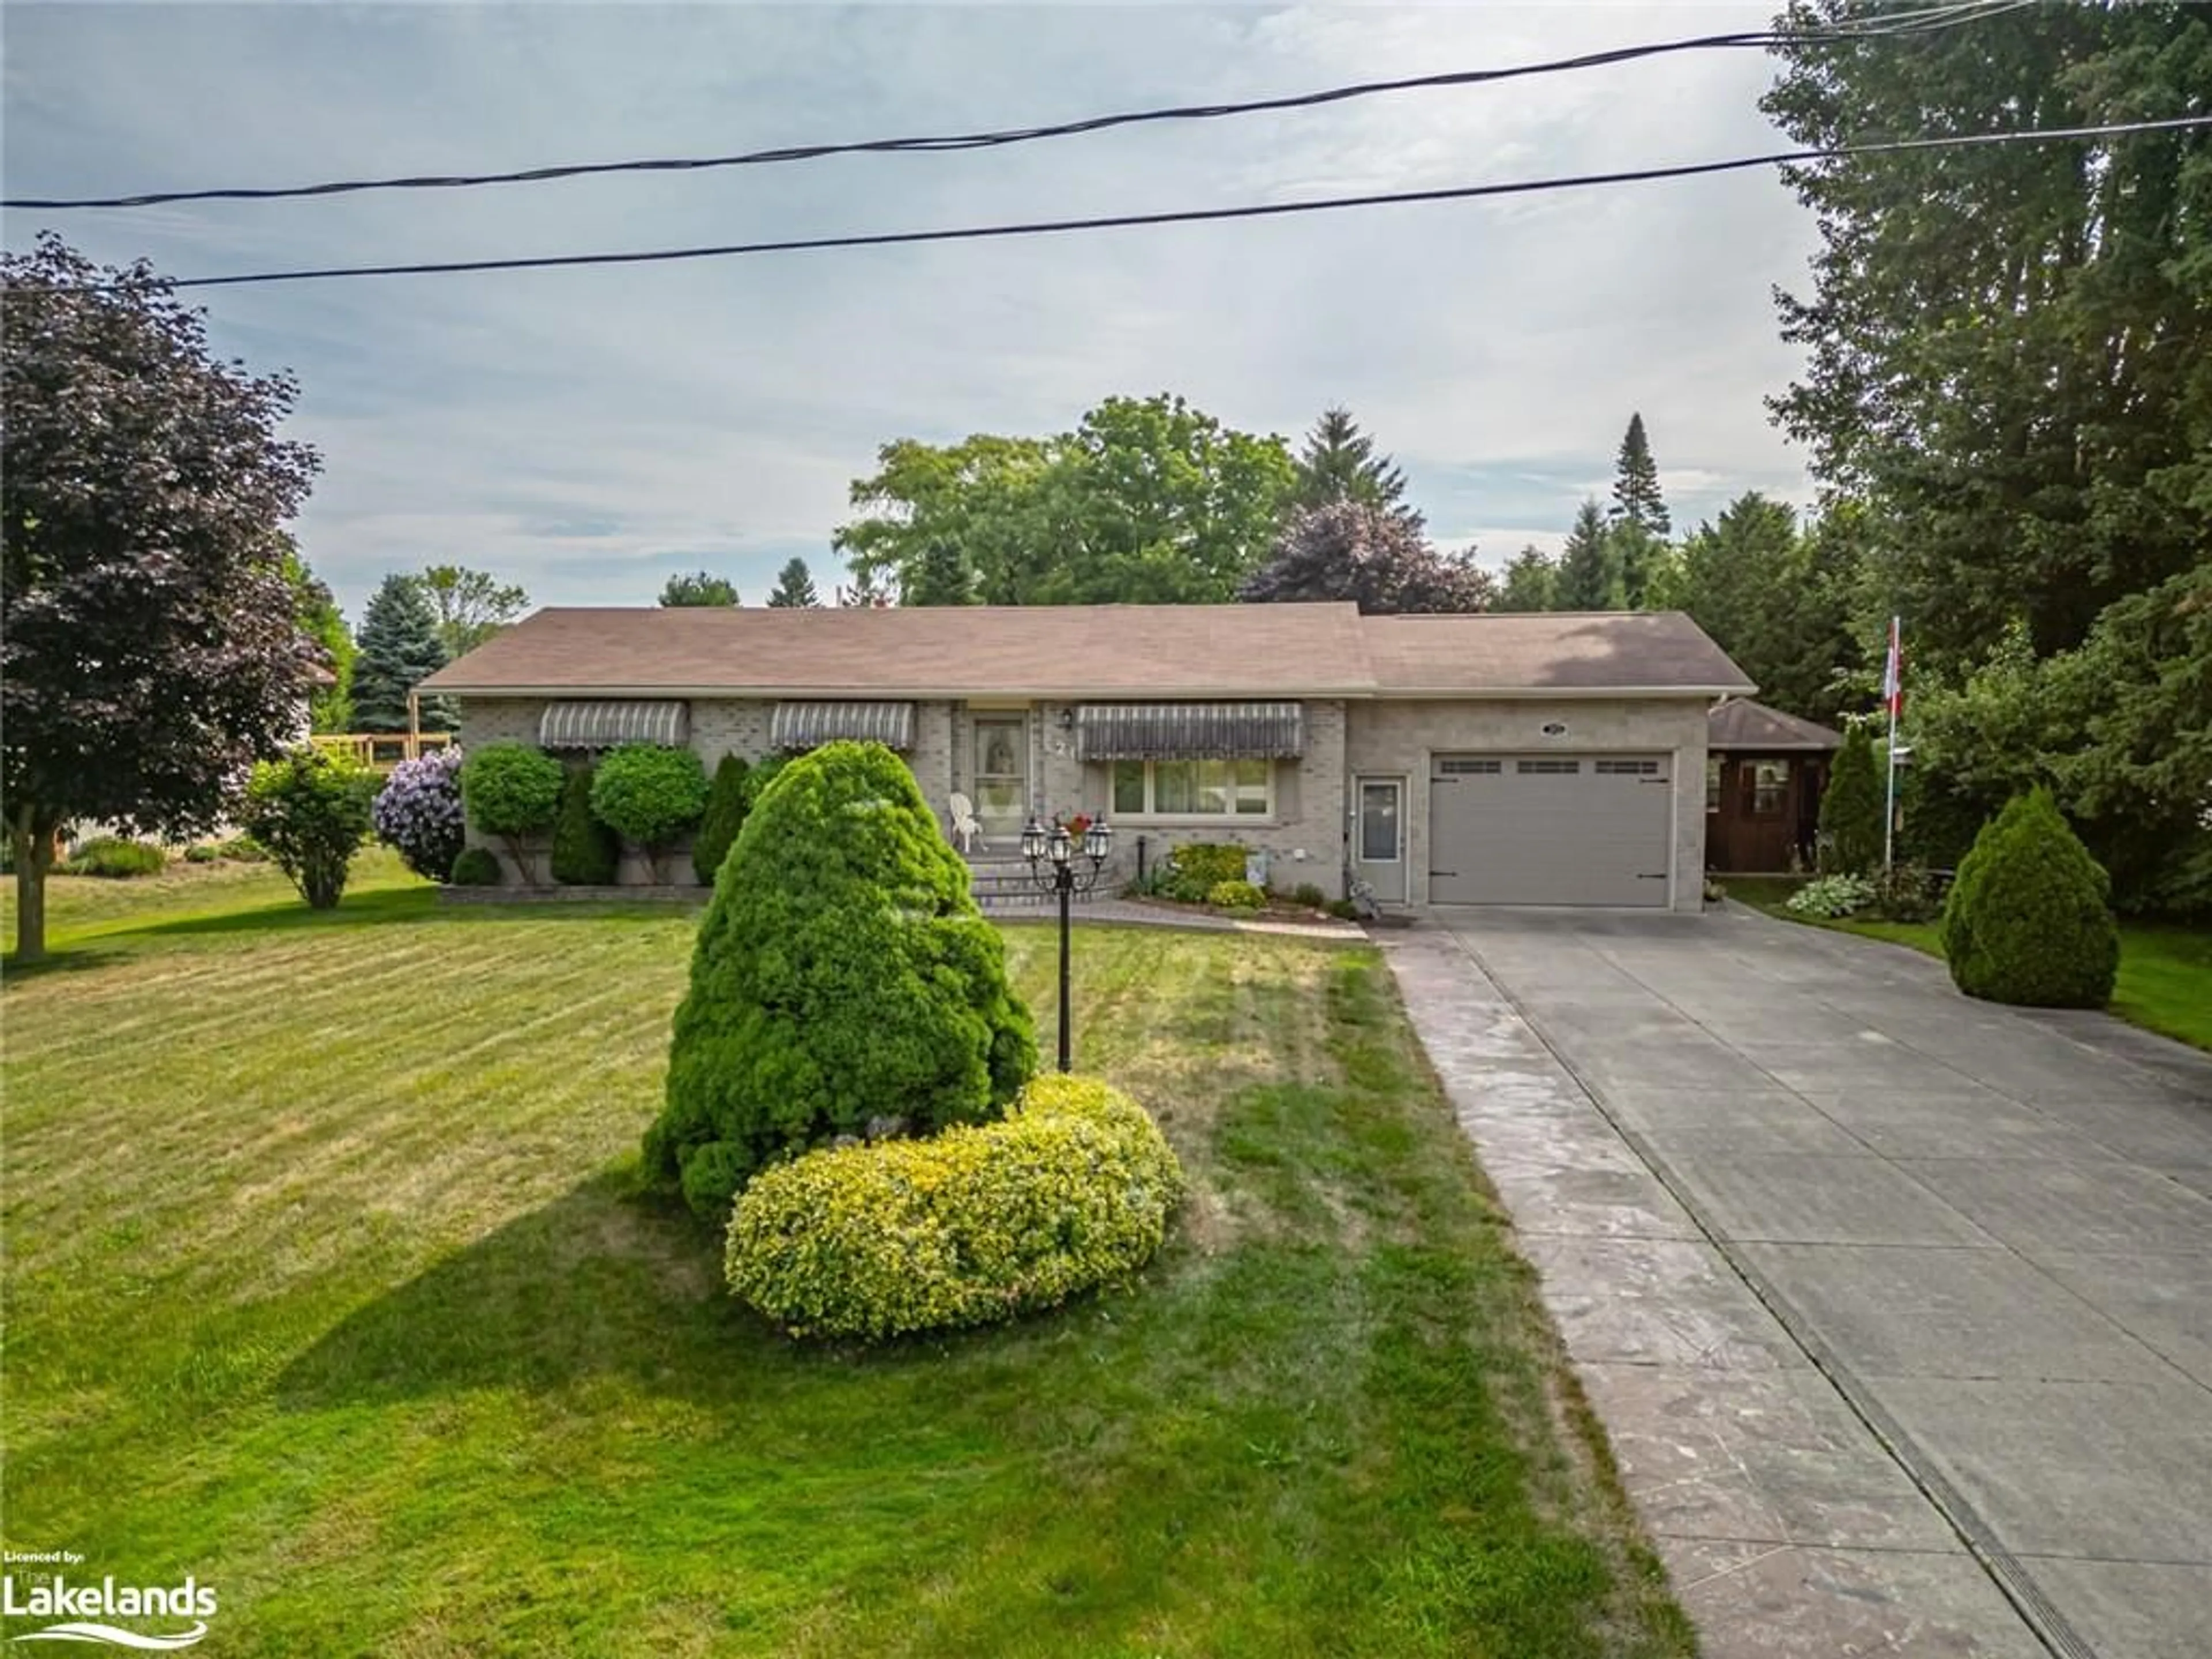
(1932, 18)
(1193, 216)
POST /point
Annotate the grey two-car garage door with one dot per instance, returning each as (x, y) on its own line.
(1550, 828)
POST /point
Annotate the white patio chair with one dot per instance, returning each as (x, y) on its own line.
(966, 828)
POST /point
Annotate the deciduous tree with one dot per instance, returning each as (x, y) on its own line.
(153, 648)
(1529, 581)
(2005, 345)
(1147, 500)
(698, 588)
(470, 605)
(1378, 559)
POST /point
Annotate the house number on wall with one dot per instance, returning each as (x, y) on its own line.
(1555, 728)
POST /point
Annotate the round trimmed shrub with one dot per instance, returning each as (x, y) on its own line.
(842, 973)
(586, 852)
(977, 1225)
(418, 812)
(649, 794)
(512, 791)
(758, 776)
(2027, 920)
(311, 809)
(725, 816)
(476, 867)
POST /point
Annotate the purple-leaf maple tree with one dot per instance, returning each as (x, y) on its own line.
(152, 648)
(1374, 555)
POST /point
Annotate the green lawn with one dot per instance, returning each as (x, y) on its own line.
(327, 1283)
(2166, 972)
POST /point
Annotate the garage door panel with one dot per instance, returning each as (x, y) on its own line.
(1549, 830)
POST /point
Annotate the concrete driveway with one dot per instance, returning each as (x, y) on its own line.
(1897, 1306)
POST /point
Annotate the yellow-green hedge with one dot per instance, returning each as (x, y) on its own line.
(974, 1224)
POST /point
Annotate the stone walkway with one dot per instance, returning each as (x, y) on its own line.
(1898, 1308)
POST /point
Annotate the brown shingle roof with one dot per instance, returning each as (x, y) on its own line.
(1077, 651)
(1518, 652)
(1741, 724)
(1168, 651)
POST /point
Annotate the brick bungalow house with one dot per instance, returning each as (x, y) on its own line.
(1489, 759)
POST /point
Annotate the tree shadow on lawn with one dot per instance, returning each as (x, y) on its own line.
(64, 959)
(603, 1281)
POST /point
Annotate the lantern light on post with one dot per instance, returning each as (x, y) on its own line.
(1052, 855)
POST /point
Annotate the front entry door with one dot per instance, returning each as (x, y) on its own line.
(1002, 775)
(1378, 837)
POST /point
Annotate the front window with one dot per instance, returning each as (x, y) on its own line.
(1194, 789)
(1713, 783)
(1769, 786)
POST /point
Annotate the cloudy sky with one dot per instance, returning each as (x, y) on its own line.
(587, 432)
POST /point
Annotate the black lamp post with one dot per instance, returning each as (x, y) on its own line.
(1052, 855)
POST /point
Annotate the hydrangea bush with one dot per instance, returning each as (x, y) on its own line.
(1832, 897)
(418, 812)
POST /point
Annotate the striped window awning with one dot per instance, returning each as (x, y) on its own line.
(603, 725)
(807, 725)
(1190, 730)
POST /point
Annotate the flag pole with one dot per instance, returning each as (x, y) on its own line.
(1892, 685)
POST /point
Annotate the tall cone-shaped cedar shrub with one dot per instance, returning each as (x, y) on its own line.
(2027, 921)
(725, 815)
(842, 974)
(586, 852)
(1851, 808)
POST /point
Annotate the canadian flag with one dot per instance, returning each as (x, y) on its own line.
(1892, 672)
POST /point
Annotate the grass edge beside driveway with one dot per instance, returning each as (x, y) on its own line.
(2165, 969)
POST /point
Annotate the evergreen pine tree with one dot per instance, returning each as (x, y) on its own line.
(944, 578)
(794, 588)
(1587, 578)
(1338, 463)
(1636, 497)
(399, 648)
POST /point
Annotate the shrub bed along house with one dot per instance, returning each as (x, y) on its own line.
(2027, 921)
(842, 974)
(1194, 870)
(476, 867)
(974, 1225)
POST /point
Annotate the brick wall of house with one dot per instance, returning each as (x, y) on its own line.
(1398, 738)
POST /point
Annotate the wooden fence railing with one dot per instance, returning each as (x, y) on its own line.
(383, 750)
